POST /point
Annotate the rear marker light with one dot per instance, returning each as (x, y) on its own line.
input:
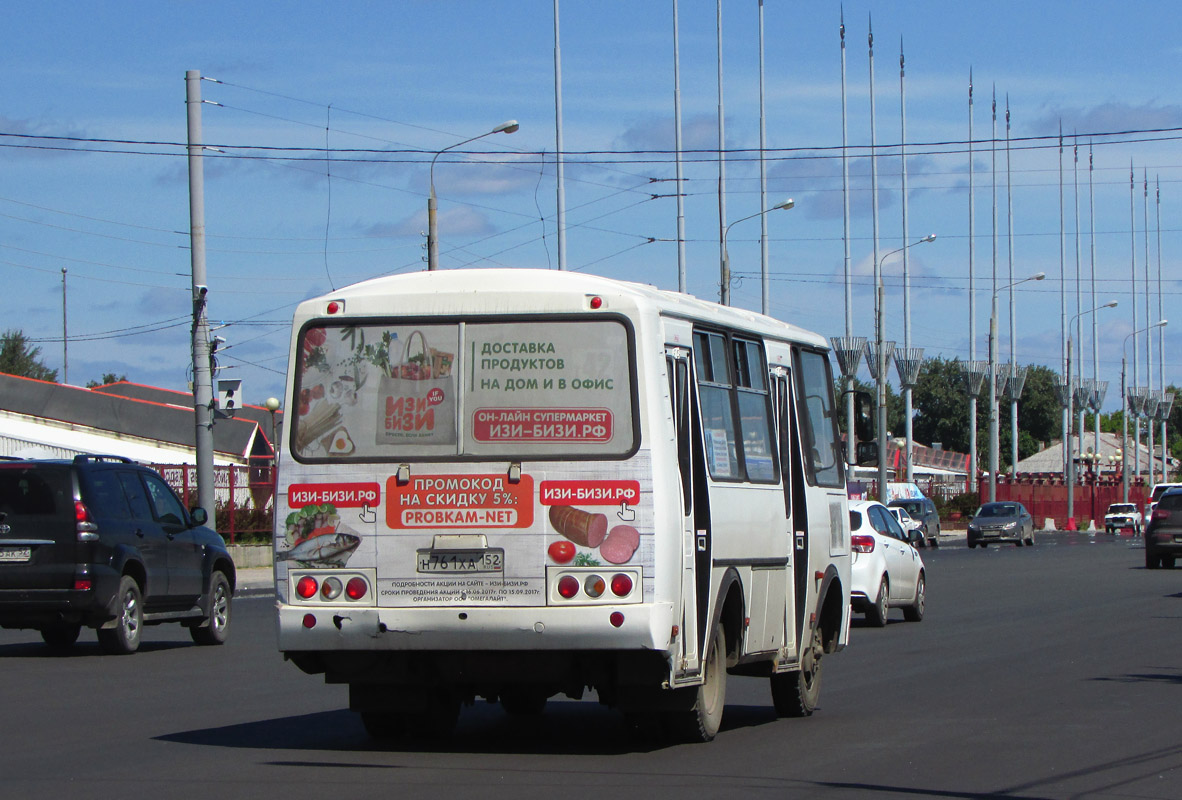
(309, 620)
(335, 307)
(596, 302)
(568, 586)
(83, 585)
(594, 586)
(356, 588)
(616, 619)
(306, 587)
(621, 585)
(331, 589)
(81, 512)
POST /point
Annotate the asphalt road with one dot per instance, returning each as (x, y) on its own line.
(1045, 672)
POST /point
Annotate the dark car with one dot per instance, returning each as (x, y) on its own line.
(1163, 534)
(923, 510)
(104, 542)
(1005, 521)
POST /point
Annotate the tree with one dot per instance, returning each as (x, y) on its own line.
(941, 403)
(18, 358)
(107, 379)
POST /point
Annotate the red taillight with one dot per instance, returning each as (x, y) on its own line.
(83, 585)
(621, 584)
(861, 543)
(356, 588)
(81, 512)
(306, 587)
(568, 586)
(1161, 513)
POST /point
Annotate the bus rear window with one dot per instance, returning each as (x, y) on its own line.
(481, 389)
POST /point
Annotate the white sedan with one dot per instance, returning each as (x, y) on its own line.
(912, 526)
(887, 571)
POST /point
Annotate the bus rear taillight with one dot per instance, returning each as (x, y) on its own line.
(621, 585)
(356, 588)
(568, 586)
(861, 543)
(331, 589)
(306, 587)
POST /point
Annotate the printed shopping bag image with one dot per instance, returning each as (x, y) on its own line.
(417, 401)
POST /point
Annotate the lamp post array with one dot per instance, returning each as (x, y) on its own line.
(1083, 398)
(1132, 402)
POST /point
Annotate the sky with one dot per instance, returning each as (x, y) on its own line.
(321, 120)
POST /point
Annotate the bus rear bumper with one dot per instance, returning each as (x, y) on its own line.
(646, 626)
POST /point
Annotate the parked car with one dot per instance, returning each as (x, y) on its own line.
(912, 527)
(103, 542)
(1122, 517)
(1163, 534)
(923, 510)
(1005, 521)
(887, 571)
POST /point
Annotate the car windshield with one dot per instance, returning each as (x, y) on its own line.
(912, 506)
(1122, 508)
(998, 510)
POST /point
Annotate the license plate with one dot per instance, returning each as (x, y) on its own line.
(461, 561)
(15, 553)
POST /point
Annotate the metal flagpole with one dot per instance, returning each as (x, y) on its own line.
(907, 409)
(725, 291)
(1095, 323)
(1133, 284)
(1148, 336)
(1079, 380)
(560, 218)
(1065, 401)
(973, 465)
(1011, 383)
(845, 199)
(993, 348)
(880, 353)
(763, 265)
(1161, 349)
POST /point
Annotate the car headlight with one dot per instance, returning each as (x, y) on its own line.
(1011, 525)
(972, 528)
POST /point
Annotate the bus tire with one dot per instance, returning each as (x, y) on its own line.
(523, 702)
(385, 725)
(701, 722)
(795, 694)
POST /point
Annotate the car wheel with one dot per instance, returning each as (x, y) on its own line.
(124, 637)
(701, 722)
(216, 628)
(795, 694)
(914, 613)
(383, 725)
(1167, 562)
(61, 638)
(1152, 559)
(876, 615)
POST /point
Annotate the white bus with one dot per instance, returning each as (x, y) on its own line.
(516, 484)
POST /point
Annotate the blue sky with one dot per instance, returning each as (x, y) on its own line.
(383, 86)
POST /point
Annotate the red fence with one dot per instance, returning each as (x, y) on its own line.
(1045, 496)
(243, 496)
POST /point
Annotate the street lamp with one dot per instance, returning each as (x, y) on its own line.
(724, 292)
(1126, 399)
(882, 357)
(432, 238)
(993, 444)
(1067, 433)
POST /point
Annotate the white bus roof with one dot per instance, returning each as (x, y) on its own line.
(536, 291)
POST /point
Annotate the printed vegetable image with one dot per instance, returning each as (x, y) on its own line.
(561, 552)
(581, 527)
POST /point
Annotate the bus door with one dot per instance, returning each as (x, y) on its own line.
(695, 505)
(795, 506)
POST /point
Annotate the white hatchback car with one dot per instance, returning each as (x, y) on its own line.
(887, 571)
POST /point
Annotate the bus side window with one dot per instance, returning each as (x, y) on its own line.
(819, 426)
(782, 409)
(759, 452)
(678, 369)
(714, 396)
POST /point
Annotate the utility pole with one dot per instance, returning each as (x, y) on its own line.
(202, 380)
(65, 338)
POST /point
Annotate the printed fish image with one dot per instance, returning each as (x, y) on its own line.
(325, 550)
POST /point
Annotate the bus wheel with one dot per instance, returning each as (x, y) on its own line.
(385, 724)
(795, 694)
(701, 722)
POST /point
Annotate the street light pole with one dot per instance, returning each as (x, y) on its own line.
(993, 443)
(432, 233)
(1126, 405)
(724, 292)
(1067, 436)
(880, 372)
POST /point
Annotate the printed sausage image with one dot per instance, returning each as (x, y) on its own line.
(620, 544)
(581, 527)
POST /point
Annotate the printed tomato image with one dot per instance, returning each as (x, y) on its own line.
(561, 552)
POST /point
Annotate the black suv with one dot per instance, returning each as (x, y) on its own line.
(1163, 534)
(923, 510)
(104, 542)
